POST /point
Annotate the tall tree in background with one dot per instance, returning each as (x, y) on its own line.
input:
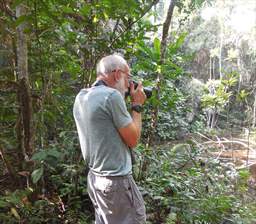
(163, 45)
(24, 95)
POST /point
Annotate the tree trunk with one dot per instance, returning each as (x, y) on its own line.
(221, 24)
(220, 55)
(210, 72)
(24, 94)
(213, 68)
(239, 67)
(166, 27)
(153, 125)
(254, 111)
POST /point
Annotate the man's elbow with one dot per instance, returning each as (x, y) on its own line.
(130, 135)
(132, 142)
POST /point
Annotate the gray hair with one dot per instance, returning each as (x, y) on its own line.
(110, 63)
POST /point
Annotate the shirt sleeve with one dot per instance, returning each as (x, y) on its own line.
(117, 109)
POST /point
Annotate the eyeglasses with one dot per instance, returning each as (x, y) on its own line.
(129, 75)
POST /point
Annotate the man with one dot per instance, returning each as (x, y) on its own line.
(107, 132)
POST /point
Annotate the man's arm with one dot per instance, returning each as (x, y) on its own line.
(131, 133)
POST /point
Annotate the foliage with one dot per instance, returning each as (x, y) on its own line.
(16, 207)
(170, 98)
(184, 185)
(61, 194)
(65, 40)
(219, 92)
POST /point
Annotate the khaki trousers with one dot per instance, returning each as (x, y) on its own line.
(116, 200)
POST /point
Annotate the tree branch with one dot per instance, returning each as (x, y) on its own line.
(131, 24)
(166, 27)
(6, 8)
(228, 141)
(8, 166)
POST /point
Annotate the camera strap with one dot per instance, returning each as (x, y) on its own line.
(100, 83)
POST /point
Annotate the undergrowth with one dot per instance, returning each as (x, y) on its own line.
(184, 185)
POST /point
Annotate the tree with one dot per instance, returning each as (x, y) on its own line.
(24, 94)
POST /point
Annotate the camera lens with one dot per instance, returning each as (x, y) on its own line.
(147, 90)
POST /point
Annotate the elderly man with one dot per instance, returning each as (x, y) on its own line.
(107, 132)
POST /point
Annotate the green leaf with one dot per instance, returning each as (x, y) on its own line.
(157, 47)
(244, 174)
(22, 19)
(15, 213)
(85, 10)
(4, 204)
(145, 49)
(41, 155)
(54, 153)
(173, 47)
(67, 9)
(17, 2)
(37, 174)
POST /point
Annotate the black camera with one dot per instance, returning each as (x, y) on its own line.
(147, 90)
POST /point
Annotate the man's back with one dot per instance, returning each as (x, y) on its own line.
(99, 112)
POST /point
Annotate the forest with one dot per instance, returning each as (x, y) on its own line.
(196, 160)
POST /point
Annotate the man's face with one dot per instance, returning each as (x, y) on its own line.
(123, 83)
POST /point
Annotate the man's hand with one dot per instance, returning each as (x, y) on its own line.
(138, 96)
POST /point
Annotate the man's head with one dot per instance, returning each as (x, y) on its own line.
(114, 70)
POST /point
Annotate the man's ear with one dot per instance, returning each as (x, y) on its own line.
(117, 75)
